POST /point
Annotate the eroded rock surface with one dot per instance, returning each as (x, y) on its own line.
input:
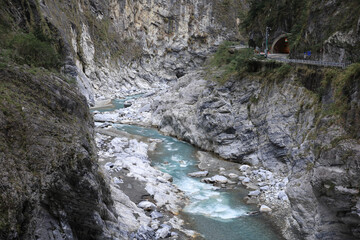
(114, 48)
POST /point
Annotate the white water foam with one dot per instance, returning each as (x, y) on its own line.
(214, 209)
(207, 201)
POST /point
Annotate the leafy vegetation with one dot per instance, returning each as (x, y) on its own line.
(30, 50)
(334, 89)
(228, 62)
(341, 85)
(33, 44)
(345, 85)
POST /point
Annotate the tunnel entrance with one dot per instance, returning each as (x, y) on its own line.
(281, 45)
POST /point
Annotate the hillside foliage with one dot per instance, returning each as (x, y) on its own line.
(26, 38)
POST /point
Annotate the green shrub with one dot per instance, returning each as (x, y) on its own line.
(234, 60)
(228, 61)
(284, 70)
(222, 55)
(28, 49)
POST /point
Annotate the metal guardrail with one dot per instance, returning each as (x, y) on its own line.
(309, 62)
(318, 63)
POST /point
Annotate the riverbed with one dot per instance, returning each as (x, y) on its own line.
(215, 212)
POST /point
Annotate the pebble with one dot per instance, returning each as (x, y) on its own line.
(241, 178)
(254, 193)
(156, 214)
(147, 206)
(155, 224)
(216, 179)
(246, 180)
(282, 196)
(219, 179)
(265, 209)
(160, 179)
(109, 165)
(262, 176)
(243, 168)
(198, 174)
(163, 232)
(233, 176)
(174, 234)
(118, 181)
(168, 177)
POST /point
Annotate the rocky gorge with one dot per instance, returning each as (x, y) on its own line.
(272, 125)
(289, 134)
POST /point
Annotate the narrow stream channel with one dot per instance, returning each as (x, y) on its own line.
(217, 214)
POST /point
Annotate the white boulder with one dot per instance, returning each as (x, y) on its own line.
(147, 206)
(243, 168)
(198, 174)
(265, 209)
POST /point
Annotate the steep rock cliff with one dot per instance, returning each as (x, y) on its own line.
(51, 187)
(117, 46)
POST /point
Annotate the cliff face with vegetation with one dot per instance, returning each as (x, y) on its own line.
(50, 184)
(329, 29)
(51, 187)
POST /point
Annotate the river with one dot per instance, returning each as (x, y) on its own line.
(216, 213)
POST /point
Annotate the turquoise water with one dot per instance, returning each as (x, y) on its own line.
(117, 103)
(215, 213)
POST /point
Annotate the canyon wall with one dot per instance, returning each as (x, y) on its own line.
(51, 187)
(114, 48)
(282, 123)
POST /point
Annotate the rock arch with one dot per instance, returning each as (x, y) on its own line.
(281, 45)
